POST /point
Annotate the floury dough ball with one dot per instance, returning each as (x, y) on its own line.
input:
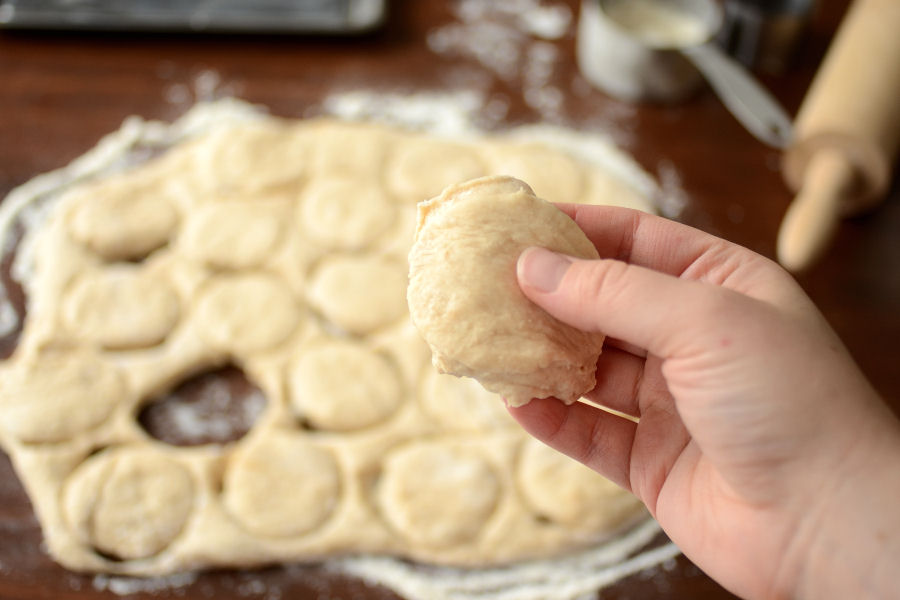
(465, 300)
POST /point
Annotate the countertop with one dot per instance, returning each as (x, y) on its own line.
(59, 93)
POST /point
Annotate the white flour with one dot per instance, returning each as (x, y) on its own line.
(507, 39)
(564, 578)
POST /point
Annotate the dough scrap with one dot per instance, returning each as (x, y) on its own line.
(465, 300)
(280, 247)
(130, 504)
(281, 486)
(121, 307)
(340, 385)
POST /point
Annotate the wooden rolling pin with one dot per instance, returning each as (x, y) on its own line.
(847, 132)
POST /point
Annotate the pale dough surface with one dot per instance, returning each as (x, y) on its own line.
(279, 247)
(465, 300)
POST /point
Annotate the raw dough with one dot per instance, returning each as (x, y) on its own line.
(465, 300)
(235, 234)
(129, 503)
(125, 217)
(247, 313)
(340, 385)
(420, 170)
(121, 307)
(279, 247)
(568, 493)
(436, 494)
(35, 390)
(344, 213)
(359, 294)
(282, 486)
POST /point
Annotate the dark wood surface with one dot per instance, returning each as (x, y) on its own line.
(59, 93)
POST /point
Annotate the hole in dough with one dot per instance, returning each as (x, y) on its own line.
(340, 385)
(282, 485)
(215, 407)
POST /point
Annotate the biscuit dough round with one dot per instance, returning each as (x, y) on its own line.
(465, 299)
(35, 393)
(130, 504)
(552, 175)
(569, 493)
(125, 217)
(121, 307)
(436, 494)
(251, 158)
(421, 168)
(460, 403)
(246, 313)
(282, 485)
(359, 293)
(344, 213)
(234, 234)
(341, 385)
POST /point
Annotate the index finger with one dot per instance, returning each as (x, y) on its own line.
(646, 240)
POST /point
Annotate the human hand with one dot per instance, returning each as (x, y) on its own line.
(761, 449)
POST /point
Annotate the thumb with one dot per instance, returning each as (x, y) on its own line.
(652, 310)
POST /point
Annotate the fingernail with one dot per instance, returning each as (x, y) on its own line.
(542, 269)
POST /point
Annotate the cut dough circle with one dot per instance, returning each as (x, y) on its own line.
(125, 217)
(282, 485)
(460, 403)
(33, 393)
(234, 234)
(130, 504)
(569, 493)
(341, 385)
(421, 167)
(120, 307)
(436, 494)
(359, 293)
(251, 158)
(465, 300)
(246, 313)
(552, 175)
(344, 213)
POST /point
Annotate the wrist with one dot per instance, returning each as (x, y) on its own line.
(852, 539)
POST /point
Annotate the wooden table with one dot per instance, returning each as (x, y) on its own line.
(60, 92)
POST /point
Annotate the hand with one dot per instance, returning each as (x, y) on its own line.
(761, 449)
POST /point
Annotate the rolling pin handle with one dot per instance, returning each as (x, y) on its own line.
(811, 220)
